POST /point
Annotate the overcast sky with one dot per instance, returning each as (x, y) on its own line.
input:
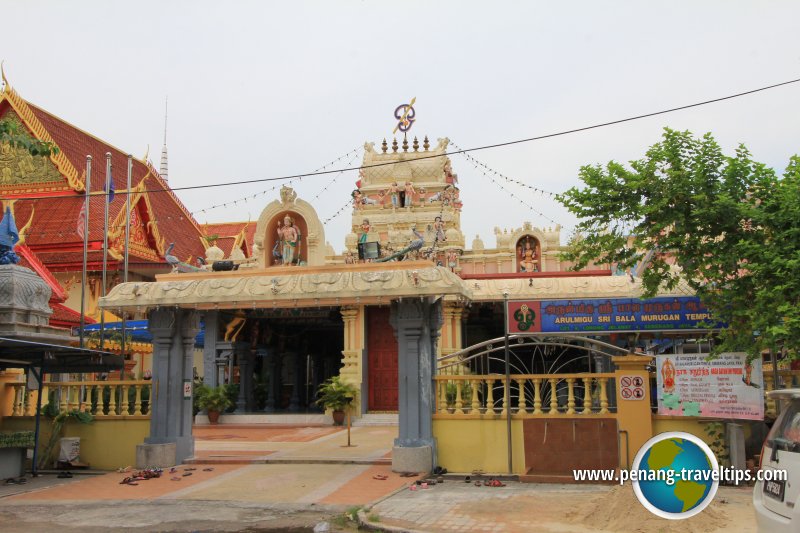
(266, 89)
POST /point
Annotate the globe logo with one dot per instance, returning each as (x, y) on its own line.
(676, 475)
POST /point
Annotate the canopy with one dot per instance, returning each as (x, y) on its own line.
(54, 358)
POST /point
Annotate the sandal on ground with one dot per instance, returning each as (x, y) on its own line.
(187, 474)
(477, 483)
(467, 480)
(208, 470)
(380, 477)
(175, 478)
(189, 469)
(64, 475)
(496, 483)
(11, 481)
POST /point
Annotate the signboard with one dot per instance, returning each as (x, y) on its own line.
(617, 314)
(725, 387)
(187, 388)
(631, 387)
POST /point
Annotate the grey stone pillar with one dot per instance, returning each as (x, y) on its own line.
(210, 374)
(171, 400)
(243, 355)
(271, 361)
(416, 323)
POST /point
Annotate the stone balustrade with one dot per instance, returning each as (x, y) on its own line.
(477, 396)
(103, 399)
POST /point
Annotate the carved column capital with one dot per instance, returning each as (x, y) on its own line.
(161, 323)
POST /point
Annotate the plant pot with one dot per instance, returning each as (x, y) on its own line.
(338, 418)
(213, 417)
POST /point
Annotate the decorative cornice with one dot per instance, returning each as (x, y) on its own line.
(291, 286)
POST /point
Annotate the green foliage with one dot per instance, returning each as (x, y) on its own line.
(373, 517)
(335, 394)
(452, 391)
(718, 445)
(214, 399)
(13, 133)
(200, 390)
(59, 419)
(725, 227)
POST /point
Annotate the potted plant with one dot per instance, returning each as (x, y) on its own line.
(335, 394)
(215, 401)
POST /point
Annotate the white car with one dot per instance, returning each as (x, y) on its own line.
(777, 502)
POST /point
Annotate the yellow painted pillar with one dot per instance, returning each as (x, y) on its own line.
(633, 414)
(7, 393)
(450, 340)
(353, 317)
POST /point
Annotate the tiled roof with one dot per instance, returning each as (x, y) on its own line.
(227, 233)
(28, 259)
(65, 317)
(55, 220)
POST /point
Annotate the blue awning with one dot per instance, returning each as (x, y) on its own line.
(137, 329)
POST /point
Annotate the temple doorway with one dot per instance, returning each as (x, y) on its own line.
(281, 356)
(383, 381)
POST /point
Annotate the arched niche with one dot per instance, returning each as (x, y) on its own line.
(528, 253)
(312, 247)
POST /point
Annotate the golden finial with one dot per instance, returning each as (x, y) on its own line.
(394, 145)
(405, 143)
(426, 144)
(146, 154)
(416, 145)
(3, 75)
(384, 146)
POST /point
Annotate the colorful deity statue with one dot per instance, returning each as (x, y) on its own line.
(438, 228)
(452, 260)
(394, 193)
(382, 198)
(409, 194)
(289, 238)
(668, 376)
(357, 198)
(365, 227)
(528, 261)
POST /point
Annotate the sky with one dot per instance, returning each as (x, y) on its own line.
(270, 89)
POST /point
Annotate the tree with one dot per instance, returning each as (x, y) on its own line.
(725, 227)
(12, 133)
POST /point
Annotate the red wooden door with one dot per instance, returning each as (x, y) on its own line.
(381, 361)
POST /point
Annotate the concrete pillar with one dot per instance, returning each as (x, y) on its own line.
(352, 370)
(633, 415)
(173, 333)
(243, 354)
(417, 324)
(272, 380)
(210, 374)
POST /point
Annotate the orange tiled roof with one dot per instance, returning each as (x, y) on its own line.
(230, 233)
(53, 233)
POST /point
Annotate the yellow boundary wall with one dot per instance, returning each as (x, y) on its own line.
(105, 444)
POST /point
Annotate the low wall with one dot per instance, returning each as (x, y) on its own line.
(105, 444)
(472, 444)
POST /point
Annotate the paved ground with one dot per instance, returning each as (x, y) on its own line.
(296, 485)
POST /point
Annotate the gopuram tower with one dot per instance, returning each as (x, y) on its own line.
(407, 187)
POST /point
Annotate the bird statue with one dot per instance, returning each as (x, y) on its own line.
(177, 264)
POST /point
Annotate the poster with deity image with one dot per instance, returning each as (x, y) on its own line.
(725, 387)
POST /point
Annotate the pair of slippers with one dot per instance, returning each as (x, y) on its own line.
(17, 481)
(409, 474)
(64, 475)
(380, 477)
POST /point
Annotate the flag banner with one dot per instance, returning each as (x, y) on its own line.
(81, 226)
(110, 187)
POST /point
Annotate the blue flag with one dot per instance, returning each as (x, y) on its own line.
(9, 236)
(110, 187)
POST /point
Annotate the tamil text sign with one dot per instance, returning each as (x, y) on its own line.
(725, 387)
(617, 314)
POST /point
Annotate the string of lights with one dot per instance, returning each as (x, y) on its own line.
(500, 174)
(337, 213)
(512, 195)
(474, 149)
(245, 199)
(337, 176)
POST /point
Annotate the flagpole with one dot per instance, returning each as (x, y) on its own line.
(127, 242)
(85, 244)
(105, 248)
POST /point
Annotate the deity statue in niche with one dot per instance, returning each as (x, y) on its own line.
(349, 258)
(289, 238)
(452, 260)
(382, 198)
(528, 260)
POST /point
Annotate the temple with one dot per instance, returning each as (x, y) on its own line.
(404, 310)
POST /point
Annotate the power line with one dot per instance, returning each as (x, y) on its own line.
(466, 150)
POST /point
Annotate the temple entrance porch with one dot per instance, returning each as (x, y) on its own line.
(273, 360)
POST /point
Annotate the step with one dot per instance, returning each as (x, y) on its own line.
(557, 478)
(298, 419)
(239, 460)
(377, 419)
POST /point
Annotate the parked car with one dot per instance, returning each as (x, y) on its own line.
(777, 502)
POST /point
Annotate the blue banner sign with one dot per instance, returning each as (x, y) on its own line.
(628, 314)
